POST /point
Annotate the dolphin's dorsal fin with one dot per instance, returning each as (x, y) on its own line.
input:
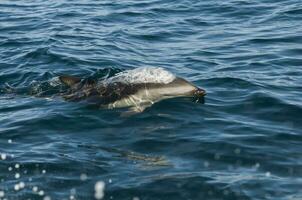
(69, 80)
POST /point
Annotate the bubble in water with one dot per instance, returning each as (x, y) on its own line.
(10, 169)
(9, 141)
(206, 164)
(110, 181)
(17, 166)
(135, 198)
(43, 171)
(99, 189)
(2, 194)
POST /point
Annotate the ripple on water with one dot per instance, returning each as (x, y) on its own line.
(243, 143)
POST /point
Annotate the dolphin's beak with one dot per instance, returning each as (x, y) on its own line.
(198, 95)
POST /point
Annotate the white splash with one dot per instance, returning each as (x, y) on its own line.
(144, 75)
(55, 81)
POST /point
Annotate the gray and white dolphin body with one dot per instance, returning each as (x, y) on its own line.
(136, 89)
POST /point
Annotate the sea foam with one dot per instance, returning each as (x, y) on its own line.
(144, 75)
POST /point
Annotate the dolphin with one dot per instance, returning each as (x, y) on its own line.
(136, 89)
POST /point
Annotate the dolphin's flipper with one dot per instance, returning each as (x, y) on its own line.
(135, 110)
(69, 80)
(131, 111)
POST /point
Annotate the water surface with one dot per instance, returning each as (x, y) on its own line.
(245, 142)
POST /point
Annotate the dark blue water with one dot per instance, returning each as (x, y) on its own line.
(244, 143)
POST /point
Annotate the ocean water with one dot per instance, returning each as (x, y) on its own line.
(244, 143)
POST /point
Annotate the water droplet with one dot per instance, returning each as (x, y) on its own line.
(257, 165)
(17, 187)
(17, 175)
(237, 151)
(217, 156)
(47, 198)
(83, 177)
(73, 191)
(21, 185)
(3, 156)
(41, 193)
(267, 174)
(99, 189)
(35, 189)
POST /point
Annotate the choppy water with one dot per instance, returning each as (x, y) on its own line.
(244, 143)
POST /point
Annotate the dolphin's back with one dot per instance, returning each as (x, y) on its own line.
(106, 93)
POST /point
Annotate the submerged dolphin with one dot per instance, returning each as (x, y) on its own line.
(136, 89)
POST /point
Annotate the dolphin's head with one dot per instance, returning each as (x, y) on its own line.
(183, 88)
(198, 95)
